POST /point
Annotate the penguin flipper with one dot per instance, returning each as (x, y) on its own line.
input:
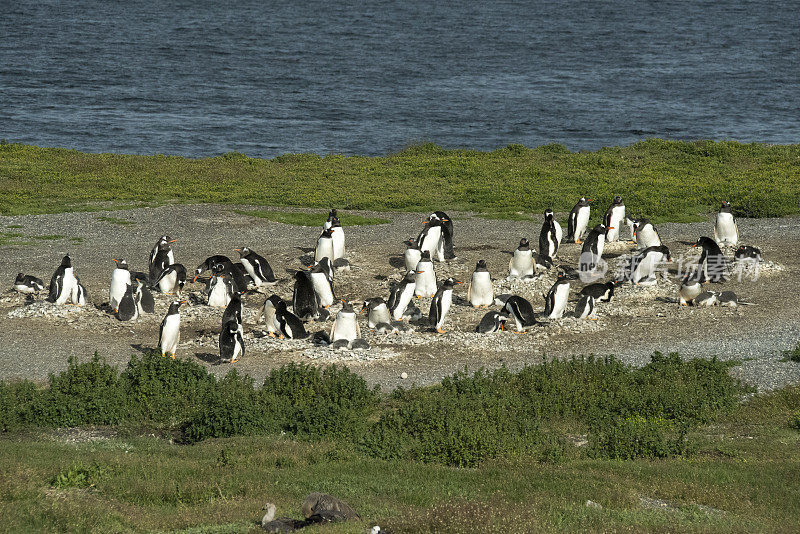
(469, 292)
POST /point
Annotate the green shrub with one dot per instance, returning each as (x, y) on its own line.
(794, 421)
(636, 436)
(79, 477)
(792, 355)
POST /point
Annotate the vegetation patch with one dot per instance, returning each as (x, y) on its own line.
(792, 355)
(310, 219)
(114, 220)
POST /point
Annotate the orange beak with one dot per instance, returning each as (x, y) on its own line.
(172, 241)
(237, 249)
(694, 245)
(610, 227)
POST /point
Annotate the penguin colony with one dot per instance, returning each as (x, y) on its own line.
(130, 292)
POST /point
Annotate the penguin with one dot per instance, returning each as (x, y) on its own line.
(128, 308)
(521, 263)
(592, 250)
(602, 292)
(726, 232)
(614, 218)
(480, 292)
(492, 322)
(550, 236)
(268, 313)
(729, 299)
(322, 280)
(412, 255)
(521, 311)
(447, 233)
(712, 261)
(305, 301)
(62, 282)
(747, 253)
(585, 308)
(143, 297)
(630, 223)
(644, 265)
(441, 304)
(425, 281)
(706, 299)
(161, 257)
(231, 342)
(120, 280)
(291, 326)
(219, 288)
(170, 278)
(430, 239)
(325, 245)
(28, 284)
(332, 214)
(256, 266)
(209, 263)
(556, 298)
(169, 335)
(233, 312)
(578, 219)
(402, 295)
(79, 295)
(377, 312)
(690, 288)
(337, 234)
(345, 326)
(645, 234)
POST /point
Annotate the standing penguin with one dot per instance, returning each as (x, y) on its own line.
(256, 266)
(171, 278)
(578, 219)
(412, 255)
(377, 312)
(209, 263)
(220, 288)
(592, 250)
(630, 224)
(144, 299)
(337, 234)
(28, 284)
(726, 232)
(161, 257)
(556, 299)
(268, 313)
(62, 282)
(322, 280)
(305, 301)
(402, 295)
(325, 246)
(645, 234)
(447, 233)
(291, 326)
(690, 288)
(120, 279)
(521, 311)
(585, 307)
(550, 236)
(169, 335)
(128, 307)
(614, 218)
(441, 304)
(480, 292)
(430, 239)
(233, 312)
(231, 342)
(345, 326)
(79, 295)
(492, 322)
(425, 281)
(645, 264)
(521, 263)
(712, 261)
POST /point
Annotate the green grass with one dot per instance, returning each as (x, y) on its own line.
(48, 237)
(14, 226)
(114, 220)
(310, 219)
(661, 180)
(792, 355)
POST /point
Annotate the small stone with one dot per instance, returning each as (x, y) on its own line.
(403, 375)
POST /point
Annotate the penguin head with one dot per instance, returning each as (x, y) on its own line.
(409, 278)
(665, 251)
(274, 299)
(66, 261)
(371, 304)
(327, 233)
(336, 223)
(280, 305)
(347, 307)
(524, 244)
(617, 200)
(411, 243)
(548, 214)
(481, 266)
(218, 268)
(584, 201)
(121, 263)
(301, 275)
(174, 306)
(332, 214)
(726, 207)
(426, 256)
(244, 251)
(601, 229)
(450, 283)
(704, 242)
(20, 278)
(165, 243)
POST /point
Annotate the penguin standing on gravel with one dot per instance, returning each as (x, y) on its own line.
(305, 301)
(79, 295)
(169, 335)
(62, 282)
(430, 240)
(645, 234)
(325, 246)
(712, 261)
(585, 307)
(425, 281)
(120, 280)
(234, 310)
(690, 288)
(337, 234)
(492, 322)
(447, 233)
(128, 308)
(28, 284)
(256, 266)
(172, 279)
(161, 256)
(726, 232)
(441, 304)
(550, 236)
(345, 326)
(377, 312)
(291, 326)
(322, 280)
(592, 250)
(644, 265)
(578, 220)
(614, 218)
(268, 314)
(521, 263)
(412, 255)
(402, 295)
(556, 299)
(144, 299)
(220, 288)
(521, 311)
(231, 342)
(480, 292)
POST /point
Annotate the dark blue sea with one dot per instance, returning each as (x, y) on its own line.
(201, 78)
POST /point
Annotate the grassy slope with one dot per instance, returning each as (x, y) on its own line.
(659, 179)
(746, 467)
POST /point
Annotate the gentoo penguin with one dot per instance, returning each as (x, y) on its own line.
(747, 253)
(492, 322)
(268, 313)
(62, 282)
(322, 280)
(447, 233)
(332, 214)
(690, 288)
(430, 239)
(120, 279)
(231, 342)
(169, 334)
(555, 302)
(220, 288)
(521, 263)
(345, 326)
(614, 218)
(170, 278)
(305, 301)
(412, 255)
(338, 239)
(729, 299)
(143, 298)
(441, 303)
(28, 284)
(161, 256)
(256, 266)
(209, 263)
(480, 292)
(602, 292)
(726, 232)
(578, 219)
(402, 295)
(233, 312)
(377, 312)
(521, 311)
(592, 250)
(645, 234)
(630, 223)
(585, 307)
(711, 261)
(425, 281)
(128, 308)
(644, 265)
(550, 236)
(325, 245)
(706, 299)
(290, 324)
(79, 294)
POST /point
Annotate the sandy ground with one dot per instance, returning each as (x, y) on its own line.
(637, 322)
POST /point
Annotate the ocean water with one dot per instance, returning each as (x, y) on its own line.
(201, 78)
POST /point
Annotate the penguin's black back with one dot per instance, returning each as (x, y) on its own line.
(127, 305)
(304, 299)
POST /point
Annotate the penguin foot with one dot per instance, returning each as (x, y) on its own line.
(234, 361)
(172, 355)
(441, 331)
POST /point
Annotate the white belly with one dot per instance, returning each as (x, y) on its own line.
(581, 221)
(431, 242)
(559, 232)
(219, 296)
(402, 302)
(559, 302)
(601, 244)
(647, 237)
(167, 284)
(521, 264)
(345, 327)
(248, 267)
(481, 292)
(324, 249)
(647, 267)
(411, 258)
(120, 279)
(425, 282)
(447, 300)
(725, 231)
(338, 243)
(322, 288)
(171, 334)
(615, 221)
(69, 283)
(379, 314)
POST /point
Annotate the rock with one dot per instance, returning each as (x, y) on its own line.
(317, 503)
(592, 504)
(403, 375)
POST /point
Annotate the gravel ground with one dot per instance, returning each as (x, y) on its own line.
(37, 338)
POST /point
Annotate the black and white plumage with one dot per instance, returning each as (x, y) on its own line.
(120, 280)
(492, 322)
(220, 288)
(431, 240)
(291, 326)
(578, 220)
(268, 314)
(602, 292)
(209, 263)
(128, 308)
(28, 284)
(441, 303)
(706, 299)
(592, 250)
(337, 234)
(322, 280)
(712, 260)
(325, 245)
(377, 312)
(79, 294)
(555, 302)
(402, 295)
(412, 255)
(169, 335)
(447, 233)
(747, 253)
(585, 307)
(233, 312)
(425, 280)
(645, 234)
(480, 292)
(521, 263)
(256, 266)
(231, 342)
(550, 235)
(161, 257)
(521, 311)
(726, 231)
(614, 219)
(305, 301)
(345, 326)
(62, 282)
(690, 288)
(644, 265)
(144, 299)
(172, 279)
